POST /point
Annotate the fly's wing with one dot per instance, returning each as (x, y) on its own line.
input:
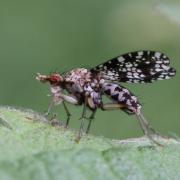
(137, 67)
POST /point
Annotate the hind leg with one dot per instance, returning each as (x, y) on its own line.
(113, 106)
(145, 126)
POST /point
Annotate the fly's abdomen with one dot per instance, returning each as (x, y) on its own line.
(121, 95)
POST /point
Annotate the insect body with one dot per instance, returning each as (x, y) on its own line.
(87, 87)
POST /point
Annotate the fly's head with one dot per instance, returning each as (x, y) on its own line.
(56, 82)
(53, 79)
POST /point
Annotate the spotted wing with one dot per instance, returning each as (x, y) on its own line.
(137, 67)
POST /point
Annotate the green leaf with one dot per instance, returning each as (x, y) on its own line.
(32, 148)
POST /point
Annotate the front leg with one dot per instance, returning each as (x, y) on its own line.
(70, 99)
(61, 98)
(51, 104)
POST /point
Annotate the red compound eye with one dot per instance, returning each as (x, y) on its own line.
(55, 78)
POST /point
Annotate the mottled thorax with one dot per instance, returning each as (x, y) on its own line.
(78, 76)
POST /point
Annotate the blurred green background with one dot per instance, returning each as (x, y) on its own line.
(44, 36)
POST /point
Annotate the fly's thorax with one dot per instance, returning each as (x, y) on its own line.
(81, 80)
(78, 76)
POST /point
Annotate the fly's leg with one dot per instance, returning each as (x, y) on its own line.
(62, 98)
(92, 106)
(51, 104)
(146, 128)
(72, 100)
(90, 121)
(112, 106)
(68, 114)
(82, 118)
(69, 99)
(46, 114)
